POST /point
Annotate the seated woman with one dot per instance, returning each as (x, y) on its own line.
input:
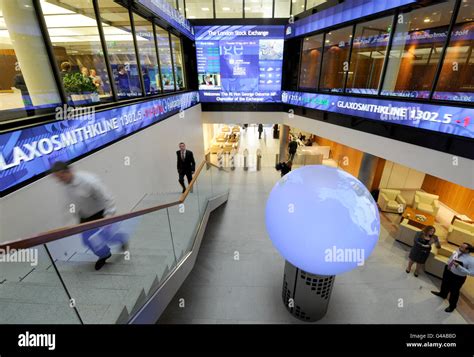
(421, 248)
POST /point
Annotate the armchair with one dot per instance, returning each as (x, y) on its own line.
(460, 232)
(406, 233)
(426, 202)
(391, 201)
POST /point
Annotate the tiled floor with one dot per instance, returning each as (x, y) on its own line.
(238, 273)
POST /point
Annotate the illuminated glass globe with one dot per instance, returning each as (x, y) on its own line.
(322, 220)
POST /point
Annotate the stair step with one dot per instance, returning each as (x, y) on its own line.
(18, 312)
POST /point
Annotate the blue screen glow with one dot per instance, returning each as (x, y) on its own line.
(239, 64)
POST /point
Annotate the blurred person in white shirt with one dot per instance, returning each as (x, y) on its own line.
(92, 201)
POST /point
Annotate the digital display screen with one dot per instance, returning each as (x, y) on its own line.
(444, 119)
(239, 64)
(30, 152)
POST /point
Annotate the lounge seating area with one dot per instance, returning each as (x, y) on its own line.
(391, 201)
(460, 232)
(451, 235)
(227, 140)
(426, 202)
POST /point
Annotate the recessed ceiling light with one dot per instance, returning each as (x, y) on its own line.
(327, 41)
(204, 8)
(427, 20)
(226, 8)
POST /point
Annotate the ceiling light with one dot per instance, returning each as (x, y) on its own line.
(427, 20)
(204, 8)
(327, 41)
(226, 8)
(246, 8)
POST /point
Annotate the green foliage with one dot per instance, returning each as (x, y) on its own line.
(76, 83)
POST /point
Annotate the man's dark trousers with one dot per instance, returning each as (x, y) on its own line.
(451, 284)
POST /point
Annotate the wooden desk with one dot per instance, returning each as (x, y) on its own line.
(410, 214)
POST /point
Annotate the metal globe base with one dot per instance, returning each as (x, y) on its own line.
(306, 296)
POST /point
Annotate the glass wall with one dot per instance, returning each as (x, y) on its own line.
(229, 9)
(199, 9)
(147, 50)
(282, 8)
(456, 80)
(28, 82)
(72, 28)
(178, 62)
(172, 3)
(313, 3)
(253, 8)
(335, 64)
(297, 6)
(181, 6)
(26, 78)
(120, 47)
(258, 8)
(311, 61)
(417, 45)
(368, 54)
(163, 41)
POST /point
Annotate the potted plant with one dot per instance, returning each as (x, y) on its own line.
(81, 89)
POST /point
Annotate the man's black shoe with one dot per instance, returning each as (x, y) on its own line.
(449, 309)
(101, 262)
(438, 294)
(183, 190)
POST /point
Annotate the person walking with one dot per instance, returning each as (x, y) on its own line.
(92, 201)
(260, 130)
(292, 147)
(460, 265)
(186, 165)
(421, 248)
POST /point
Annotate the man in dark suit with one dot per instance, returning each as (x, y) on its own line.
(186, 164)
(292, 148)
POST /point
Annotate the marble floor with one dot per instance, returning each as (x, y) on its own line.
(237, 278)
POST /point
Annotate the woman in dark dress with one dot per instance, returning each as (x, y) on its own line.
(421, 248)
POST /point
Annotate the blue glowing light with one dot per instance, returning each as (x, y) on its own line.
(322, 220)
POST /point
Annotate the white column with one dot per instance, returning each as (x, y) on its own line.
(30, 51)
